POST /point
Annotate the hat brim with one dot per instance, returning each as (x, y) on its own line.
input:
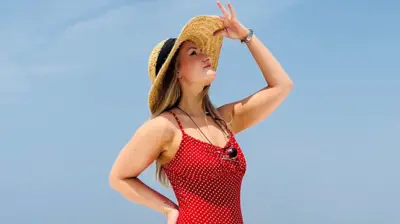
(200, 31)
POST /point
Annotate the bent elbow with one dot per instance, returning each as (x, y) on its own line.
(114, 181)
(289, 85)
(285, 87)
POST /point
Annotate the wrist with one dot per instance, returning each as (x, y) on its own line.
(244, 33)
(246, 39)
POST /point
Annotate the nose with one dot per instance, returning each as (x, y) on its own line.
(206, 58)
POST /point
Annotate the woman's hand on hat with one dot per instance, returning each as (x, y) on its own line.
(233, 29)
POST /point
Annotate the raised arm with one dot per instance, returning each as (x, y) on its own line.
(140, 152)
(256, 107)
(246, 112)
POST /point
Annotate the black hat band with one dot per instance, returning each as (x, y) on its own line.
(164, 52)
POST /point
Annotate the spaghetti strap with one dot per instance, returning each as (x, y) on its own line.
(178, 121)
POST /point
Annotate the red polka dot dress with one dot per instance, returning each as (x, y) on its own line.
(207, 187)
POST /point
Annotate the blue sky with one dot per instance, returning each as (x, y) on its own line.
(74, 85)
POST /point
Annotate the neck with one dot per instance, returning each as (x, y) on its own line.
(192, 103)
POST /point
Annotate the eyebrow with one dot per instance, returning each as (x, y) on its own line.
(192, 48)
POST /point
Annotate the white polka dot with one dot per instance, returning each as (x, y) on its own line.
(207, 187)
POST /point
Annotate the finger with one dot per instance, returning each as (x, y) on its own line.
(223, 10)
(219, 17)
(222, 18)
(221, 32)
(231, 10)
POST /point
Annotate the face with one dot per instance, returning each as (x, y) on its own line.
(194, 66)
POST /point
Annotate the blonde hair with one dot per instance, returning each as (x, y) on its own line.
(170, 98)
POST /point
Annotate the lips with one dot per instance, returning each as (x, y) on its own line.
(207, 65)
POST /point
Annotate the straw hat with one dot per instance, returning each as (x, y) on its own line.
(200, 31)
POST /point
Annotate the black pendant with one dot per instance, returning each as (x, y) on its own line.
(231, 152)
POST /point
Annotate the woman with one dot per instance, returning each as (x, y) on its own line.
(191, 141)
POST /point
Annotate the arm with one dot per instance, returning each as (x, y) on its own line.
(245, 113)
(256, 107)
(140, 152)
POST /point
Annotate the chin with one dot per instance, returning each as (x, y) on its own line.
(209, 79)
(211, 72)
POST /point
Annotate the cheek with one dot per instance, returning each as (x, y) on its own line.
(192, 71)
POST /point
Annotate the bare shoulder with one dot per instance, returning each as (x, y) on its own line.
(160, 128)
(149, 141)
(226, 112)
(175, 137)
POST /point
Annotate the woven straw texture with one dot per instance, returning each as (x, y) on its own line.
(200, 31)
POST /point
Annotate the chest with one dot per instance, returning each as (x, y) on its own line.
(198, 161)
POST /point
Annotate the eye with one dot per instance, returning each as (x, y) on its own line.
(193, 52)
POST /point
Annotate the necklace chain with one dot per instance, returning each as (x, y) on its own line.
(232, 151)
(196, 125)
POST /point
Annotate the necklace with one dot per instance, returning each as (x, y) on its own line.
(231, 152)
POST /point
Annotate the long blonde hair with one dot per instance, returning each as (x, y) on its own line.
(170, 98)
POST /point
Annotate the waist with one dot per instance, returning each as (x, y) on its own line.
(210, 214)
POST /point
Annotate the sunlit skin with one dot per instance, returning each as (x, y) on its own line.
(195, 72)
(159, 138)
